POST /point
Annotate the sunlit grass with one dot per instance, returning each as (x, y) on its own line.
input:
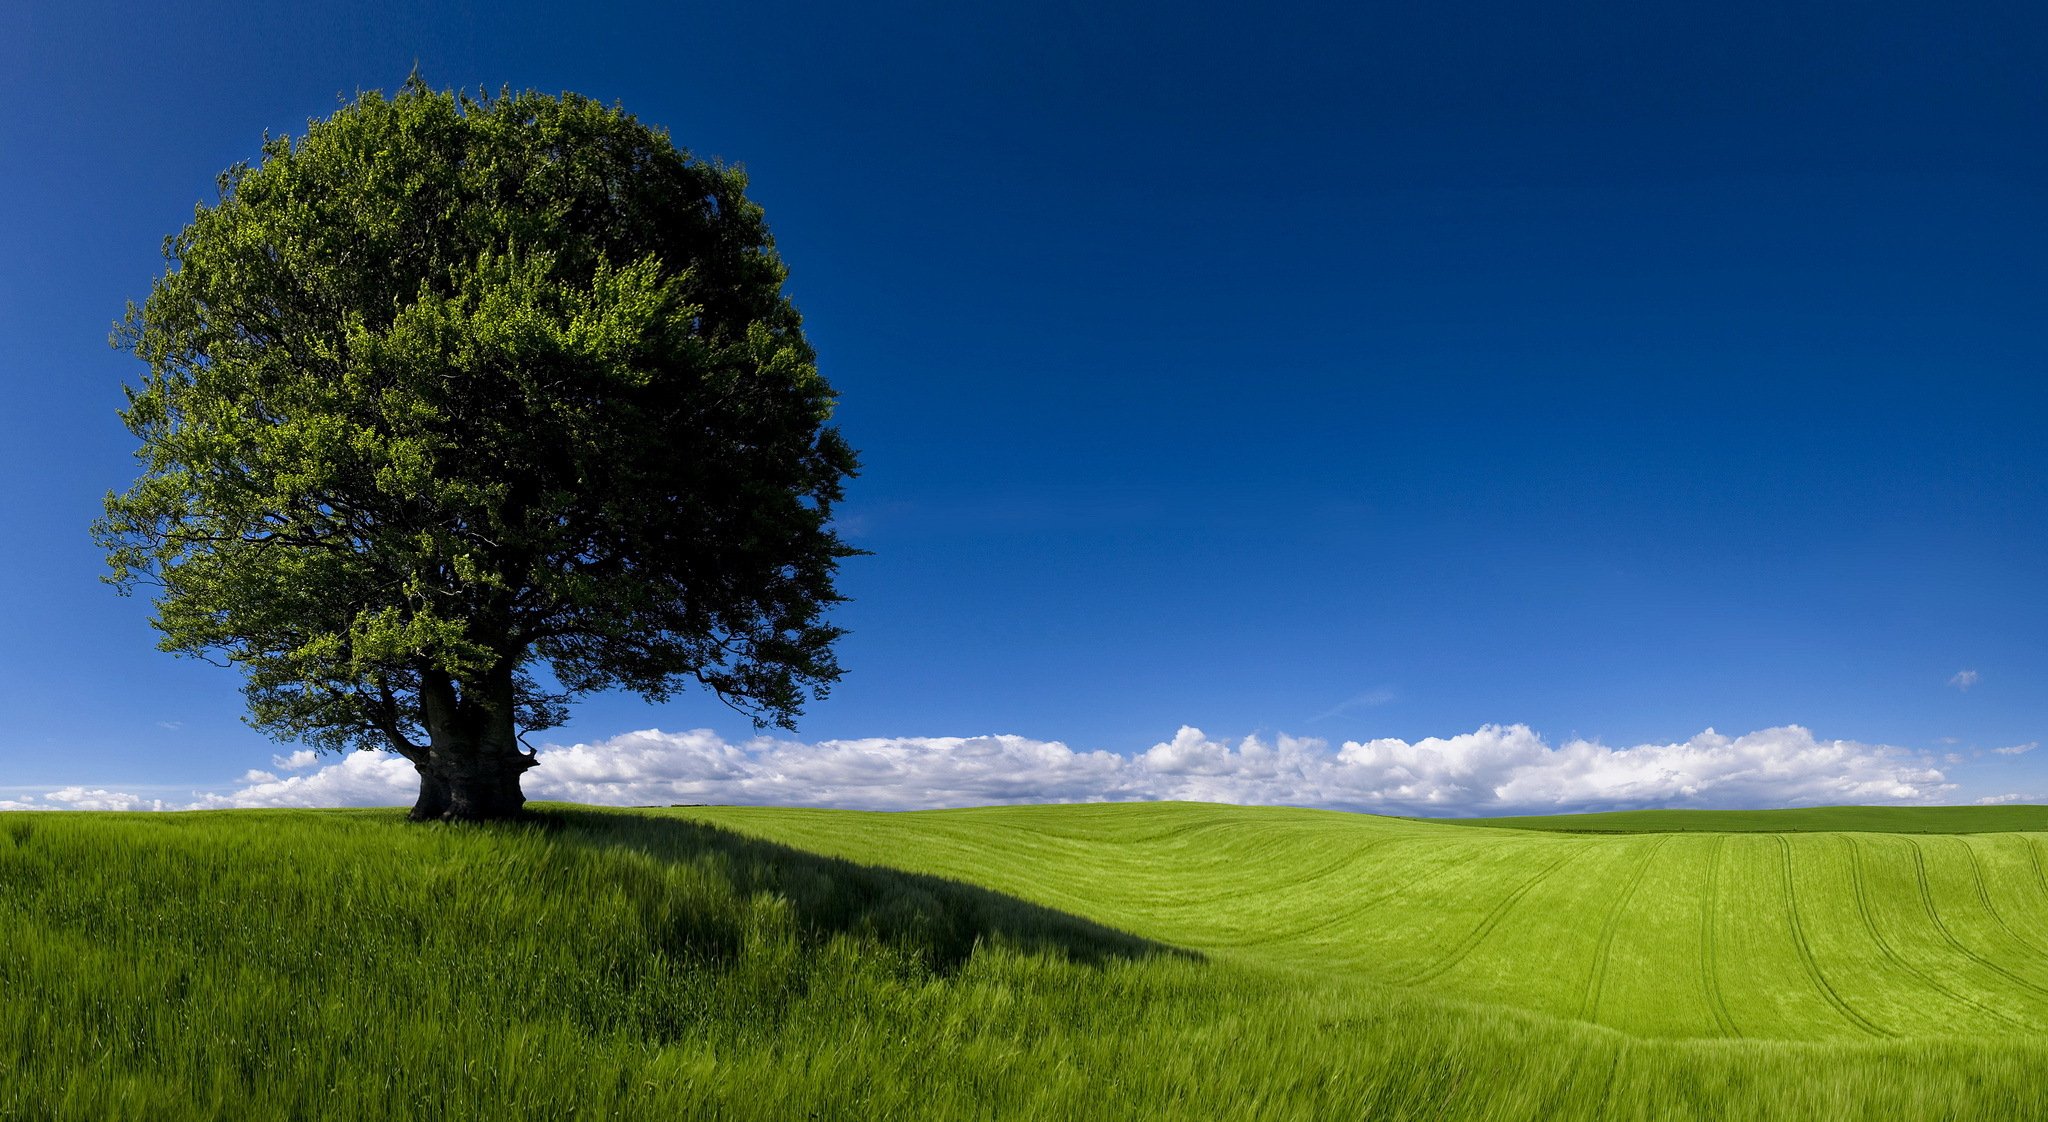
(1856, 819)
(1684, 933)
(764, 964)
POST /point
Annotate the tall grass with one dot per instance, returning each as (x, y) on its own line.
(348, 965)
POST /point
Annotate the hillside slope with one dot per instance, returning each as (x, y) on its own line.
(2001, 819)
(348, 965)
(1794, 936)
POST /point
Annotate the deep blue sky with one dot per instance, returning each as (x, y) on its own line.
(1370, 370)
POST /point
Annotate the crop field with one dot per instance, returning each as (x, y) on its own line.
(1853, 819)
(1115, 961)
(1781, 936)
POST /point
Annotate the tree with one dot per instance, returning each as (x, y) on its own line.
(457, 408)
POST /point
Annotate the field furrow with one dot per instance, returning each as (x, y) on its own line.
(1898, 964)
(2030, 948)
(1948, 934)
(1329, 918)
(1486, 924)
(1710, 980)
(1589, 1010)
(1804, 946)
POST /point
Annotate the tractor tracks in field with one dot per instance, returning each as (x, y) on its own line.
(1984, 898)
(1300, 878)
(1949, 936)
(1340, 918)
(1478, 934)
(1805, 949)
(1349, 913)
(1891, 954)
(1329, 869)
(1324, 923)
(1597, 980)
(1710, 978)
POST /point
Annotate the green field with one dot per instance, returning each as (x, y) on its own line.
(1122, 961)
(1780, 936)
(1852, 819)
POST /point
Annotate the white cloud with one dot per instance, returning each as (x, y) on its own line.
(1964, 679)
(700, 766)
(82, 798)
(2018, 749)
(2000, 800)
(356, 779)
(1494, 769)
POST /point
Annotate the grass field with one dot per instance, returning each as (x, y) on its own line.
(1851, 819)
(1793, 936)
(1125, 961)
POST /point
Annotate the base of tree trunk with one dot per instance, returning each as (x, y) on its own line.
(433, 800)
(477, 790)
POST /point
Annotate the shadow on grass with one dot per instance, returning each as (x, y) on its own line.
(940, 922)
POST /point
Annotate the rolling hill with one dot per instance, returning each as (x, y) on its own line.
(1835, 934)
(1120, 961)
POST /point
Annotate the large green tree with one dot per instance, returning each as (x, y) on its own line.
(459, 407)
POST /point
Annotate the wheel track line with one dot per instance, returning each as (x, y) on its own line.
(1330, 869)
(1044, 848)
(1805, 949)
(1891, 953)
(1984, 897)
(1948, 936)
(2034, 851)
(1709, 974)
(1597, 979)
(1350, 913)
(1180, 900)
(1478, 934)
(1238, 891)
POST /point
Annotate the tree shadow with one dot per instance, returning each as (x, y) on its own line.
(939, 922)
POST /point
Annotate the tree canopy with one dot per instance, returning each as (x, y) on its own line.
(457, 407)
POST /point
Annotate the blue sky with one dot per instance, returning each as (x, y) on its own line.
(1341, 374)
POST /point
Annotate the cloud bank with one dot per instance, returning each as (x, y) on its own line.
(1496, 769)
(82, 798)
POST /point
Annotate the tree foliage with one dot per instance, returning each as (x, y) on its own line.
(459, 407)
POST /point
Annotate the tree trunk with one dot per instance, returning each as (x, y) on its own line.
(471, 786)
(433, 801)
(471, 767)
(485, 787)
